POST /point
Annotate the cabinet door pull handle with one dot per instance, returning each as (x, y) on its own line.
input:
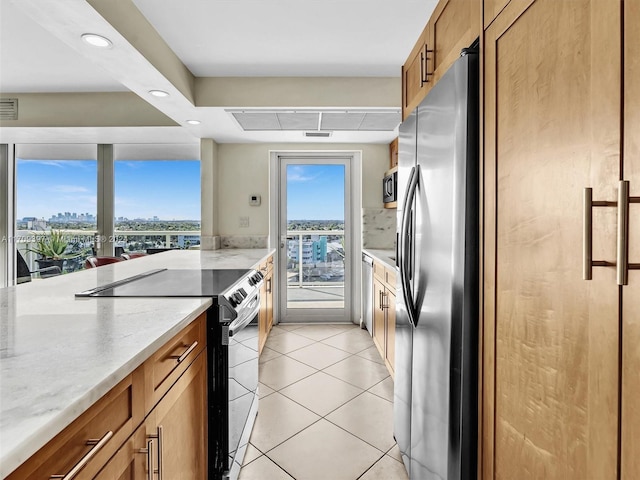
(268, 285)
(622, 244)
(149, 452)
(587, 234)
(97, 445)
(424, 56)
(160, 452)
(185, 354)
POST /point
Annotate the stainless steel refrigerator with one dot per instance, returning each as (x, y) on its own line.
(435, 393)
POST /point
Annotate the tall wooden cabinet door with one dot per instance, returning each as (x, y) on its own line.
(415, 82)
(551, 354)
(631, 293)
(181, 422)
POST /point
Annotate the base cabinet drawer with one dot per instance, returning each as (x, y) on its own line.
(86, 444)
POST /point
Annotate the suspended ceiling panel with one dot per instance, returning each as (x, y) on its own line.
(287, 120)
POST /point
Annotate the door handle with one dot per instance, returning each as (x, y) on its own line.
(587, 233)
(407, 257)
(622, 241)
(622, 245)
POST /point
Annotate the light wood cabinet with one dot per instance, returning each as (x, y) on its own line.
(178, 424)
(166, 393)
(393, 153)
(384, 313)
(551, 340)
(454, 25)
(266, 303)
(172, 441)
(415, 82)
(379, 316)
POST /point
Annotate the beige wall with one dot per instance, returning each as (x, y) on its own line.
(243, 169)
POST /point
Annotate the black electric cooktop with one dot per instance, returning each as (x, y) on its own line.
(170, 283)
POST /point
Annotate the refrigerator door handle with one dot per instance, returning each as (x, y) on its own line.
(407, 244)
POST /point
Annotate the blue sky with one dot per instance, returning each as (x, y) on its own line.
(315, 192)
(143, 189)
(169, 190)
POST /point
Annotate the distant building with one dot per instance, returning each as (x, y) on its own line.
(69, 217)
(36, 224)
(313, 251)
(188, 240)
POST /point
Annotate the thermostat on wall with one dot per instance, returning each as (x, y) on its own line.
(254, 200)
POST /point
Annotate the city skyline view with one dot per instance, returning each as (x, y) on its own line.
(158, 191)
(167, 190)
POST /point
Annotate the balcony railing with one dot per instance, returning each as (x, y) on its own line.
(312, 261)
(85, 242)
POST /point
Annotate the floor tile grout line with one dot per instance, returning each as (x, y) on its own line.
(371, 466)
(319, 414)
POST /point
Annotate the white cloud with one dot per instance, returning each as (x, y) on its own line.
(68, 189)
(298, 174)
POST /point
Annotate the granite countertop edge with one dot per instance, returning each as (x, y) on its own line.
(385, 256)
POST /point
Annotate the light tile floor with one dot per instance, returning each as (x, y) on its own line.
(326, 410)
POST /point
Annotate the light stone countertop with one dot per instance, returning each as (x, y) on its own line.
(385, 256)
(60, 354)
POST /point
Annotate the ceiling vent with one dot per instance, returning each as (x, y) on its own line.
(318, 120)
(317, 134)
(8, 108)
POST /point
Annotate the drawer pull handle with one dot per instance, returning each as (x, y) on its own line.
(97, 445)
(185, 354)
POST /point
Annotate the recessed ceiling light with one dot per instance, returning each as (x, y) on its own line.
(96, 40)
(158, 93)
(193, 122)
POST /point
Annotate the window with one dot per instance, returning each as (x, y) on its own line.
(55, 195)
(157, 198)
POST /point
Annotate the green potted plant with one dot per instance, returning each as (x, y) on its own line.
(51, 249)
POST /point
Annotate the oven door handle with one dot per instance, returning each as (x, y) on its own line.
(245, 316)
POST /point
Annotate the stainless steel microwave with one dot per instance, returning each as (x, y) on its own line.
(390, 186)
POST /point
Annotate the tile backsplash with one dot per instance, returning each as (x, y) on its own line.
(379, 228)
(244, 241)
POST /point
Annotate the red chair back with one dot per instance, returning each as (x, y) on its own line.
(93, 262)
(131, 256)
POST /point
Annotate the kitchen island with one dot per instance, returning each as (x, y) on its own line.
(59, 354)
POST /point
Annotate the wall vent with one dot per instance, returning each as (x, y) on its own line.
(8, 108)
(317, 134)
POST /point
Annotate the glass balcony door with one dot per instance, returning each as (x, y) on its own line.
(314, 232)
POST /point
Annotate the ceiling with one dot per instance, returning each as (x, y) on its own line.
(212, 56)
